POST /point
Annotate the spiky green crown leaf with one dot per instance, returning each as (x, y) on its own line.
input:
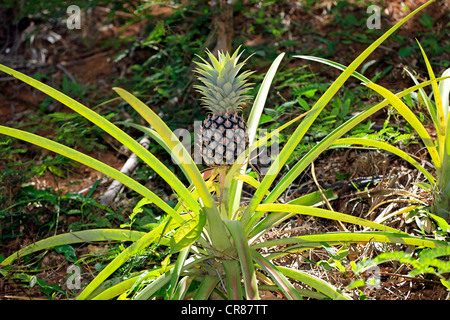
(223, 89)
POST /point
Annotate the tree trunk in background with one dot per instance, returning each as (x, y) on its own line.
(222, 25)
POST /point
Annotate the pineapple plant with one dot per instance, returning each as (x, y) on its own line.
(224, 134)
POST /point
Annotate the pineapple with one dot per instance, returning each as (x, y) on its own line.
(224, 134)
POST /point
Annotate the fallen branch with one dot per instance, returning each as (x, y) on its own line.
(116, 186)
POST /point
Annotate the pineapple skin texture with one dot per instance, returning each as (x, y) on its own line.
(224, 134)
(224, 138)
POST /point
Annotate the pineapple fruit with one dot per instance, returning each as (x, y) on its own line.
(224, 134)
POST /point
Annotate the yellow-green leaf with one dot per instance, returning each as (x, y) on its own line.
(412, 120)
(188, 233)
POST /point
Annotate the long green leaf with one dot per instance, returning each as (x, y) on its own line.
(233, 196)
(317, 283)
(247, 267)
(334, 238)
(427, 101)
(314, 199)
(301, 292)
(444, 183)
(443, 138)
(111, 289)
(322, 213)
(279, 279)
(206, 288)
(261, 97)
(306, 124)
(412, 120)
(385, 146)
(75, 237)
(336, 65)
(182, 288)
(177, 270)
(311, 200)
(248, 179)
(233, 279)
(116, 290)
(90, 162)
(155, 286)
(442, 121)
(444, 89)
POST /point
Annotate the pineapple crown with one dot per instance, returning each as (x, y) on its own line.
(223, 90)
